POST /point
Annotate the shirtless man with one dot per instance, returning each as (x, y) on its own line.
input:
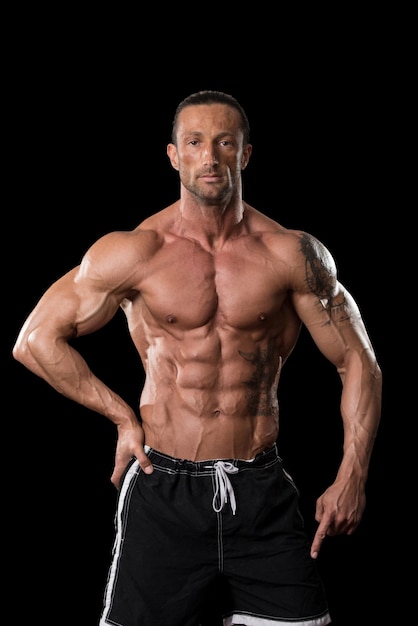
(215, 294)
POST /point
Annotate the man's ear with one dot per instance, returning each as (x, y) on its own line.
(172, 155)
(246, 153)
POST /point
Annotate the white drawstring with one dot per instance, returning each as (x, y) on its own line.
(223, 485)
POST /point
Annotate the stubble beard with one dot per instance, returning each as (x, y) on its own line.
(208, 194)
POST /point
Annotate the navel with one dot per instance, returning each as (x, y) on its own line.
(170, 319)
(262, 316)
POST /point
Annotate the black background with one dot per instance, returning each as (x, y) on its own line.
(90, 117)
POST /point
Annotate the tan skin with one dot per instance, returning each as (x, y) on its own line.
(215, 294)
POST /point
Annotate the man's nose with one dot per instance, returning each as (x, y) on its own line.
(210, 158)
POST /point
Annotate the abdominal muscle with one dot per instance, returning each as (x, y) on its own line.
(200, 406)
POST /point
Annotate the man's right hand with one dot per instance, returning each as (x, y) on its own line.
(131, 440)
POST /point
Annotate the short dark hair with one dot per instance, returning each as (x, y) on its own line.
(212, 97)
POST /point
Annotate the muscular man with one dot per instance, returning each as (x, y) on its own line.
(215, 294)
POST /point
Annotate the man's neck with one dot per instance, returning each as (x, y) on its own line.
(210, 224)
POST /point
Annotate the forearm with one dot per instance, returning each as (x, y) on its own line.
(361, 411)
(67, 372)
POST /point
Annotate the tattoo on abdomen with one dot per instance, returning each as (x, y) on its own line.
(259, 386)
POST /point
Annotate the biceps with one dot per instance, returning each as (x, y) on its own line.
(335, 325)
(69, 308)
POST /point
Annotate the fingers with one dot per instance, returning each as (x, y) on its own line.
(318, 539)
(121, 465)
(116, 477)
(145, 463)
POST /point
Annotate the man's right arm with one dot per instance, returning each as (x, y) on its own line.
(79, 303)
(43, 342)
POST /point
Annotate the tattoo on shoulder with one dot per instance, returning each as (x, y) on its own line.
(319, 268)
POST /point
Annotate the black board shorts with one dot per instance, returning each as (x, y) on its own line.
(223, 531)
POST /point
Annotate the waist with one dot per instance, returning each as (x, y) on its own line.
(184, 435)
(159, 459)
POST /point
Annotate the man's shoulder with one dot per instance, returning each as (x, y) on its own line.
(259, 221)
(291, 243)
(270, 230)
(125, 247)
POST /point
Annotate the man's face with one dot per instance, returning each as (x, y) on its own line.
(209, 154)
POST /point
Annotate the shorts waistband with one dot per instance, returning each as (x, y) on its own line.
(208, 466)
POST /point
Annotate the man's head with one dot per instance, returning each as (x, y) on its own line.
(210, 146)
(211, 97)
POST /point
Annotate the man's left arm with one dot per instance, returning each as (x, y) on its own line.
(340, 334)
